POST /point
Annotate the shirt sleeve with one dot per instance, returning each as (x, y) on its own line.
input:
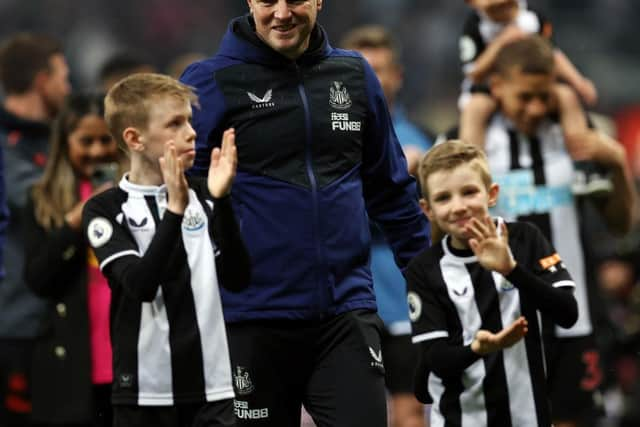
(51, 256)
(119, 257)
(426, 311)
(470, 43)
(430, 329)
(542, 277)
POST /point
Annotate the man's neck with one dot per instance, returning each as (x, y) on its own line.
(28, 106)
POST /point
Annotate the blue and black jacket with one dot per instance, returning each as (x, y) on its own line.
(317, 156)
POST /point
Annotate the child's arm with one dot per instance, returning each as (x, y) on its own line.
(474, 117)
(140, 276)
(493, 253)
(621, 209)
(573, 120)
(484, 62)
(569, 73)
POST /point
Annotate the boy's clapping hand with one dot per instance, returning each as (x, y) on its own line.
(223, 165)
(487, 342)
(173, 175)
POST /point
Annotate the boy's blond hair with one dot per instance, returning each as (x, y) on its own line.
(449, 155)
(128, 102)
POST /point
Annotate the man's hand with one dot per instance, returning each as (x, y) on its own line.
(492, 251)
(487, 342)
(223, 165)
(173, 175)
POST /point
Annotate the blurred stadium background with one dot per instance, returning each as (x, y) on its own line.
(600, 36)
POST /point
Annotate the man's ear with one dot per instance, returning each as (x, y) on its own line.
(494, 190)
(319, 4)
(40, 80)
(133, 139)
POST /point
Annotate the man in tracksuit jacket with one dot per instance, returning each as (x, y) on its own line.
(317, 156)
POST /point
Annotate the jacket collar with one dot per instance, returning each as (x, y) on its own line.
(241, 42)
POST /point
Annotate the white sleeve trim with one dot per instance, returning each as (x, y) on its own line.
(117, 255)
(429, 336)
(564, 283)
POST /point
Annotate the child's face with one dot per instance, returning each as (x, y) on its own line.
(523, 97)
(90, 144)
(503, 11)
(170, 120)
(456, 196)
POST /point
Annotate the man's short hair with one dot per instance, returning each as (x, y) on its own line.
(128, 102)
(447, 156)
(532, 55)
(371, 37)
(22, 57)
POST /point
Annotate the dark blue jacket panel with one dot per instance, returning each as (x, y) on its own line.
(317, 156)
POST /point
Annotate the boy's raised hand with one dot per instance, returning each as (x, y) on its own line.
(487, 342)
(173, 175)
(491, 249)
(222, 169)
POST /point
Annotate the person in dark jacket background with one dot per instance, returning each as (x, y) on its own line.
(72, 370)
(317, 156)
(35, 80)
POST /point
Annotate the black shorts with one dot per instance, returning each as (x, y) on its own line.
(400, 360)
(575, 375)
(334, 367)
(208, 414)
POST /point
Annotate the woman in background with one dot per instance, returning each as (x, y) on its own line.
(72, 370)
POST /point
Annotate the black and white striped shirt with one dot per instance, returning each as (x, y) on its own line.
(451, 297)
(167, 328)
(535, 174)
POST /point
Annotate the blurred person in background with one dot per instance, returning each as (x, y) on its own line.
(119, 66)
(380, 49)
(493, 24)
(35, 79)
(317, 156)
(177, 66)
(529, 160)
(72, 369)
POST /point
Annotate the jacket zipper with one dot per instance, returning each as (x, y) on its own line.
(321, 285)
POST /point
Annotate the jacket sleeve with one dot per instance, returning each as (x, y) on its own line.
(207, 115)
(233, 264)
(390, 192)
(51, 257)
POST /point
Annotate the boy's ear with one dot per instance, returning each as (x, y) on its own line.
(495, 85)
(133, 139)
(494, 190)
(424, 206)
